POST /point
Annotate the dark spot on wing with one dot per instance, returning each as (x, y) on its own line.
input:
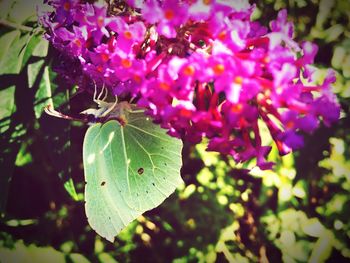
(103, 183)
(140, 171)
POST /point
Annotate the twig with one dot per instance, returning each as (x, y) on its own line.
(14, 25)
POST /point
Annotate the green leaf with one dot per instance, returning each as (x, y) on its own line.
(5, 7)
(106, 258)
(287, 238)
(7, 102)
(34, 48)
(128, 170)
(6, 42)
(43, 94)
(78, 258)
(323, 247)
(12, 58)
(32, 253)
(70, 188)
(41, 48)
(24, 157)
(33, 70)
(24, 10)
(299, 250)
(313, 227)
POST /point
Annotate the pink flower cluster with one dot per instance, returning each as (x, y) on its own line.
(201, 68)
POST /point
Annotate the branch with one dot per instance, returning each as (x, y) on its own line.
(15, 26)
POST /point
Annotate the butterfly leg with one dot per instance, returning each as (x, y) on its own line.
(110, 108)
(95, 92)
(134, 111)
(137, 111)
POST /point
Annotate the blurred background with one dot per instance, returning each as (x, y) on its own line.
(222, 213)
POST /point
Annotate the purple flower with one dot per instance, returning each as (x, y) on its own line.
(282, 25)
(282, 31)
(327, 108)
(201, 69)
(292, 139)
(128, 35)
(168, 16)
(309, 52)
(65, 10)
(308, 123)
(201, 10)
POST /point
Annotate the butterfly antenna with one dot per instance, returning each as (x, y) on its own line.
(101, 93)
(132, 100)
(106, 94)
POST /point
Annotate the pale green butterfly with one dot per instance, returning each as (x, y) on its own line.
(130, 166)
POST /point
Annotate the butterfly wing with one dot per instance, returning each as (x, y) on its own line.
(128, 170)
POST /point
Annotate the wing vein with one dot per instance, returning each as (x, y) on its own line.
(150, 158)
(126, 159)
(151, 134)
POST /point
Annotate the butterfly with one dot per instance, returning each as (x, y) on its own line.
(131, 165)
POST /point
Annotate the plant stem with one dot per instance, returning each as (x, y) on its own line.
(15, 26)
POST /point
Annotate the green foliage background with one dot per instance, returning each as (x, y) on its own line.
(297, 213)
